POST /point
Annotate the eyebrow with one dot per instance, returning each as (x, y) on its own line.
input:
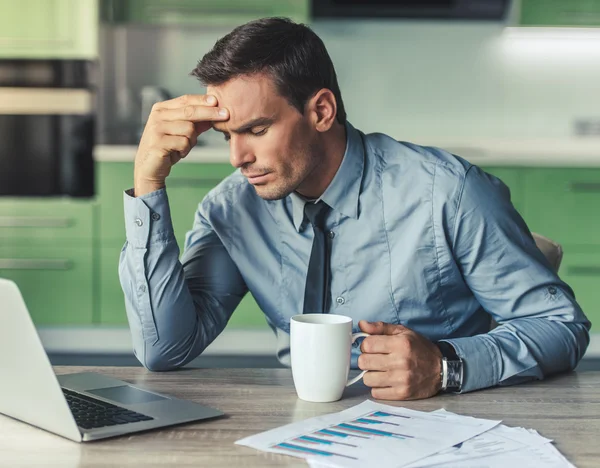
(258, 122)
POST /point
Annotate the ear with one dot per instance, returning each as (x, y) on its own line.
(322, 109)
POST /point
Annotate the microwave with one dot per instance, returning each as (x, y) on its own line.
(415, 9)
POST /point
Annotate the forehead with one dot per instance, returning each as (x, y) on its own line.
(246, 98)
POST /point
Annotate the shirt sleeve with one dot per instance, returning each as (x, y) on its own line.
(175, 307)
(542, 330)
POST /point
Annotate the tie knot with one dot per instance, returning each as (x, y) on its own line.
(316, 213)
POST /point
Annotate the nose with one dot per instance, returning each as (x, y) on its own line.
(239, 152)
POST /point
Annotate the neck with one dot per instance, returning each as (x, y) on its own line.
(332, 149)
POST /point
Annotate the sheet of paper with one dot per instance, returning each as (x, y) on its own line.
(499, 447)
(369, 434)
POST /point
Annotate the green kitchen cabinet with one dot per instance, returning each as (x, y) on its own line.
(57, 282)
(564, 204)
(186, 187)
(581, 271)
(201, 12)
(570, 13)
(61, 29)
(248, 315)
(513, 178)
(46, 221)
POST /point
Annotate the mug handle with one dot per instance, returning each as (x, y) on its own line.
(355, 337)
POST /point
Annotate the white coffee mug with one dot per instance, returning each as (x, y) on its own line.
(320, 354)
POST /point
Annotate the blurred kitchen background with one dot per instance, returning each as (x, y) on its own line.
(512, 86)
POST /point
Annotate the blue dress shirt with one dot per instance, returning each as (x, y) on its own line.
(420, 237)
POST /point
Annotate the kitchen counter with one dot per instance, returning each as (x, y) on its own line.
(571, 152)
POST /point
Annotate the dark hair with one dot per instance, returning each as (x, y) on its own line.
(291, 54)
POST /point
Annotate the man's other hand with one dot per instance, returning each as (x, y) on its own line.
(402, 364)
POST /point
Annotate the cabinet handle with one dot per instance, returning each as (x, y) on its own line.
(34, 221)
(190, 182)
(35, 264)
(585, 187)
(584, 270)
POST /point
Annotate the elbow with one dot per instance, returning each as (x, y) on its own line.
(155, 362)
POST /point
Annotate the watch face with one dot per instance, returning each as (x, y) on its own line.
(455, 375)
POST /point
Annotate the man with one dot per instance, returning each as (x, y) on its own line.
(418, 246)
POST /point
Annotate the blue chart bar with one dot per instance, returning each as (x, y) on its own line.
(316, 440)
(299, 449)
(367, 430)
(383, 414)
(373, 421)
(330, 433)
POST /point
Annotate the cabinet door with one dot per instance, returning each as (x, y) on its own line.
(564, 204)
(186, 187)
(581, 271)
(43, 220)
(559, 13)
(513, 178)
(48, 29)
(201, 12)
(56, 282)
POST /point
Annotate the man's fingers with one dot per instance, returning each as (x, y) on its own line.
(194, 114)
(178, 128)
(389, 393)
(376, 344)
(377, 379)
(177, 143)
(188, 100)
(381, 328)
(374, 362)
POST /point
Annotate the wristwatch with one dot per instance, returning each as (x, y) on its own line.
(452, 368)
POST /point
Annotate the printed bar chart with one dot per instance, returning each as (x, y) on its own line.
(297, 448)
(323, 442)
(357, 436)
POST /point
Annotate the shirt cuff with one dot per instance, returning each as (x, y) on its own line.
(147, 218)
(481, 361)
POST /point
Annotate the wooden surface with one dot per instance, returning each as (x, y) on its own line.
(565, 408)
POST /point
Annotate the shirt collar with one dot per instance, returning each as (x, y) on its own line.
(343, 191)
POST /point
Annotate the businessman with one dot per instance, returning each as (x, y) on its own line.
(418, 246)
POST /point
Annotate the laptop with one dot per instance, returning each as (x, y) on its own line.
(81, 407)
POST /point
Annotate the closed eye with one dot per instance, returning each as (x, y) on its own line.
(227, 136)
(260, 132)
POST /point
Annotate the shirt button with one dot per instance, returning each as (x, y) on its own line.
(155, 216)
(138, 221)
(331, 234)
(340, 300)
(552, 290)
(142, 288)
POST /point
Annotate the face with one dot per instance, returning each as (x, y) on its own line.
(273, 144)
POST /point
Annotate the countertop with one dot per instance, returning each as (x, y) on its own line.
(568, 152)
(565, 408)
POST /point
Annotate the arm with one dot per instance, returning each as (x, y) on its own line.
(542, 328)
(175, 308)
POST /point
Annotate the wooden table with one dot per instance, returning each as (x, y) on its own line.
(565, 408)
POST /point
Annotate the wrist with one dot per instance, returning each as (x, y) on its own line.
(144, 186)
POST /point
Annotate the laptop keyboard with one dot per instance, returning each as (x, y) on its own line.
(91, 413)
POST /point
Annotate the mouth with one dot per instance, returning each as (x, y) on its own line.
(256, 179)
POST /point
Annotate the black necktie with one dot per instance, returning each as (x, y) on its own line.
(317, 278)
